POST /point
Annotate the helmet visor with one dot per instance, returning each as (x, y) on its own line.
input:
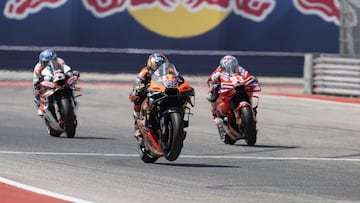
(44, 63)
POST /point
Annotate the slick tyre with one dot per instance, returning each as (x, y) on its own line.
(144, 155)
(68, 116)
(224, 137)
(50, 131)
(248, 125)
(175, 128)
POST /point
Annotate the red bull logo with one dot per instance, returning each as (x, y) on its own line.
(21, 9)
(180, 18)
(326, 9)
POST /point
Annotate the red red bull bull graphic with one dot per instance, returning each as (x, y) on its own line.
(256, 10)
(233, 25)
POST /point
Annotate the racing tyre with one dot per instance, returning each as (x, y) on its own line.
(68, 116)
(224, 137)
(175, 128)
(50, 131)
(248, 125)
(144, 155)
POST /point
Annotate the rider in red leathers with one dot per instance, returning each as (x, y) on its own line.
(227, 65)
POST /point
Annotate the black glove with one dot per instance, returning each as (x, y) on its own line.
(139, 89)
(76, 73)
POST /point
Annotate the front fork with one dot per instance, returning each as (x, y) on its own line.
(163, 123)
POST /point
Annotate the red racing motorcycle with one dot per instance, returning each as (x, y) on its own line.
(235, 109)
(58, 102)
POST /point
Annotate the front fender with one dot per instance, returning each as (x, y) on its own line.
(172, 110)
(241, 105)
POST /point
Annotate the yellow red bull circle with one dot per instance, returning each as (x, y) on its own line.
(179, 23)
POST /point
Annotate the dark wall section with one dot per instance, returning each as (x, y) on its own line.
(289, 66)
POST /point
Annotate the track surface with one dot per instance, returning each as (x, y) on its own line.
(307, 151)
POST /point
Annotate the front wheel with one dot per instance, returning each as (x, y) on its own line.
(68, 117)
(175, 129)
(248, 125)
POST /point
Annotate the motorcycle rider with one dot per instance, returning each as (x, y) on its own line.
(228, 65)
(48, 60)
(138, 93)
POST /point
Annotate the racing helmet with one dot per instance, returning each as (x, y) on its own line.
(47, 56)
(155, 60)
(230, 64)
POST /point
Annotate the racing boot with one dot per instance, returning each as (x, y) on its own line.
(40, 108)
(137, 133)
(213, 113)
(40, 112)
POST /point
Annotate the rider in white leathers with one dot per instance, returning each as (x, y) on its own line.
(48, 62)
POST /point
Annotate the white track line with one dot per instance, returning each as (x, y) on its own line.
(42, 191)
(189, 156)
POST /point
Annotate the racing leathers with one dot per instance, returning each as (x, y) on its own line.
(38, 77)
(138, 94)
(214, 82)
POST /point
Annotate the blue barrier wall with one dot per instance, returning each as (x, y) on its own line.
(280, 66)
(277, 26)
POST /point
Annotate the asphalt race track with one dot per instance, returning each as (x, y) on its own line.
(307, 151)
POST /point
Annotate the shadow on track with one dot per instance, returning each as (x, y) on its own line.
(196, 165)
(268, 146)
(89, 138)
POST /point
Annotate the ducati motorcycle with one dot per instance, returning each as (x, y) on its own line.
(58, 102)
(236, 108)
(167, 106)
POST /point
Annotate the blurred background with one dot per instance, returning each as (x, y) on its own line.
(270, 38)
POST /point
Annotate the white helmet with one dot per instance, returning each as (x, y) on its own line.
(47, 56)
(230, 64)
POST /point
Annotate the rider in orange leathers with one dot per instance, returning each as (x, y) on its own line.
(138, 93)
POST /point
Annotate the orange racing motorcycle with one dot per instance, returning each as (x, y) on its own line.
(168, 111)
(235, 109)
(58, 102)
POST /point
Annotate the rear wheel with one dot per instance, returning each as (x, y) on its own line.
(144, 155)
(175, 128)
(248, 125)
(68, 116)
(52, 132)
(224, 137)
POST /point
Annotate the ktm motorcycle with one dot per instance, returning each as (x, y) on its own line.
(58, 102)
(236, 109)
(164, 115)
